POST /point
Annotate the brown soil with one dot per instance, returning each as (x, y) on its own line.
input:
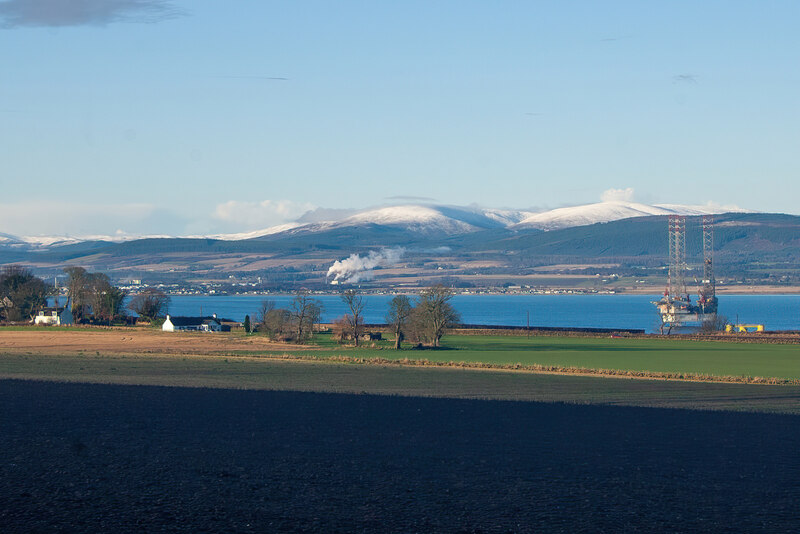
(136, 341)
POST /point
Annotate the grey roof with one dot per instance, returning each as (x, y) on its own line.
(192, 321)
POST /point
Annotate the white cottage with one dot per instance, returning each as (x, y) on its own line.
(54, 316)
(201, 324)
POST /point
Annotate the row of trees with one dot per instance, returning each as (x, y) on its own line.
(294, 323)
(95, 299)
(424, 321)
(92, 297)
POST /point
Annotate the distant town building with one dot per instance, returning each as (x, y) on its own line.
(199, 324)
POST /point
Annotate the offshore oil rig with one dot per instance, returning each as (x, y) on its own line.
(676, 307)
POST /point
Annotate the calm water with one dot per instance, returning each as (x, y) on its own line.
(776, 312)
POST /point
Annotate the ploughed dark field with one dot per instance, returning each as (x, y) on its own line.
(141, 458)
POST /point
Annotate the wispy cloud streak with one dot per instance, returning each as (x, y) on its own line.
(59, 13)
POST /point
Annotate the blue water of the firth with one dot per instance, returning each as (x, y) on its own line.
(776, 312)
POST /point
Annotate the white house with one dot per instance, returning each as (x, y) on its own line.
(202, 324)
(54, 315)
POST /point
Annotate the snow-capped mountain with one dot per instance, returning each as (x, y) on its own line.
(455, 220)
(39, 241)
(426, 219)
(610, 211)
(47, 241)
(421, 220)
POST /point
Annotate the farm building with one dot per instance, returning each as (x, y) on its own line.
(202, 324)
(54, 315)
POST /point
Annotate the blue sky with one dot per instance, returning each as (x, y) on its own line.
(181, 117)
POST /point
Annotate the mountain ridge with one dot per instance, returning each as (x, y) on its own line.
(750, 246)
(419, 219)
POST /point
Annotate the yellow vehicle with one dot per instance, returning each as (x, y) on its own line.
(743, 328)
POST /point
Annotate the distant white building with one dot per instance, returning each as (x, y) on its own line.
(54, 316)
(198, 324)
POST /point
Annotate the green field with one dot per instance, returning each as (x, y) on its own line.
(657, 355)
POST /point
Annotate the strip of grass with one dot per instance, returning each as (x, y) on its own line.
(654, 355)
(657, 355)
(329, 376)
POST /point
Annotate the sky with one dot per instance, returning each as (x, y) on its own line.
(196, 117)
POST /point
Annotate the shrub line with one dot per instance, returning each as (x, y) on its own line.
(554, 369)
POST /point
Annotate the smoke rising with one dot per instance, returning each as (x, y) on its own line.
(357, 268)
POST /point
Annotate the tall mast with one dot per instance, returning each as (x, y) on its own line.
(708, 293)
(676, 288)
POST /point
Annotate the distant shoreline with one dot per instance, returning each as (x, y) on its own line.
(731, 290)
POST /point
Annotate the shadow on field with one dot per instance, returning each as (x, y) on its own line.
(139, 458)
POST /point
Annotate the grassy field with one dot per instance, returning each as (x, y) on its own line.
(234, 361)
(657, 355)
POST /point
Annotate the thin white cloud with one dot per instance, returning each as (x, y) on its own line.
(80, 219)
(57, 13)
(251, 215)
(617, 195)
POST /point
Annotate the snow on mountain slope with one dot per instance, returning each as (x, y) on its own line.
(8, 239)
(507, 217)
(251, 235)
(423, 219)
(44, 241)
(606, 212)
(414, 218)
(708, 209)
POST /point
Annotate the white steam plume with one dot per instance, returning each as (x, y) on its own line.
(356, 268)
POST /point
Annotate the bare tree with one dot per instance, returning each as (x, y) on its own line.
(340, 328)
(104, 299)
(109, 304)
(314, 314)
(77, 291)
(713, 323)
(272, 321)
(150, 304)
(305, 312)
(262, 315)
(434, 313)
(400, 309)
(355, 303)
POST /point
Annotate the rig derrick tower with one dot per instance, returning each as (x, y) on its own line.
(675, 307)
(708, 291)
(676, 285)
